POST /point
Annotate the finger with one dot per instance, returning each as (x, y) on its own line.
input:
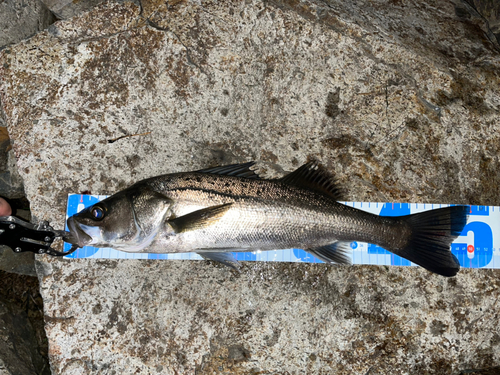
(5, 209)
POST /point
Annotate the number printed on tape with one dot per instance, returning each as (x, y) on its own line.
(476, 247)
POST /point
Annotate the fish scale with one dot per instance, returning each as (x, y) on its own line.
(220, 210)
(263, 221)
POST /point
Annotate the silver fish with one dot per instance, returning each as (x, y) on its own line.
(221, 210)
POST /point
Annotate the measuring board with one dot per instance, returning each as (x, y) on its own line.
(478, 246)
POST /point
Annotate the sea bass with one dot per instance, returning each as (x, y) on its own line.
(221, 210)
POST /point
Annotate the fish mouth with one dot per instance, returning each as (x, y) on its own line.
(78, 234)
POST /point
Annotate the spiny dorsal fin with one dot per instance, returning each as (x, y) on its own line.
(313, 176)
(199, 219)
(238, 170)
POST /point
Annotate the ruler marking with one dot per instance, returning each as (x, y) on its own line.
(484, 232)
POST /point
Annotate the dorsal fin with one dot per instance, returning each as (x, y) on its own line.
(238, 170)
(314, 177)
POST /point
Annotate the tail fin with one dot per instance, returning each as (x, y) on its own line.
(432, 232)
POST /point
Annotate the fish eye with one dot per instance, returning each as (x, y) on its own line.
(97, 213)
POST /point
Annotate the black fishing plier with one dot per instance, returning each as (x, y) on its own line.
(22, 236)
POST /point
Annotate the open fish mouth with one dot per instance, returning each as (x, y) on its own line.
(79, 236)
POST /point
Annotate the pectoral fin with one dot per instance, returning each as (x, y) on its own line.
(226, 259)
(336, 252)
(199, 219)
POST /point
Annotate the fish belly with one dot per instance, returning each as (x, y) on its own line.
(251, 227)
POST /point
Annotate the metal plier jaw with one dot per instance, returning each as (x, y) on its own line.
(22, 236)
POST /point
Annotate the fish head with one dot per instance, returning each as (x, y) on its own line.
(128, 220)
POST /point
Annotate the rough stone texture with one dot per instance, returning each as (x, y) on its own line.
(403, 111)
(11, 183)
(20, 19)
(23, 344)
(16, 341)
(188, 317)
(488, 371)
(23, 264)
(490, 10)
(65, 9)
(2, 120)
(11, 186)
(400, 98)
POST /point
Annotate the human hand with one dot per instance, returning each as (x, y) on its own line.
(5, 209)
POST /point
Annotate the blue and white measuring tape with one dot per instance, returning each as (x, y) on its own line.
(478, 246)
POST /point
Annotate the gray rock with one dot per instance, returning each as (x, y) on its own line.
(490, 10)
(65, 9)
(485, 371)
(11, 183)
(23, 263)
(400, 99)
(2, 121)
(191, 317)
(18, 343)
(20, 19)
(11, 186)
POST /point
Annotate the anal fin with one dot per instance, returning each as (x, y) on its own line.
(336, 252)
(226, 258)
(199, 219)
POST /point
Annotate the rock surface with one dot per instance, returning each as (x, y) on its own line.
(490, 10)
(11, 185)
(401, 99)
(23, 264)
(23, 345)
(190, 317)
(18, 20)
(402, 113)
(17, 341)
(22, 19)
(65, 9)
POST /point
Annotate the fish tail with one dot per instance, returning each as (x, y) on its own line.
(431, 234)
